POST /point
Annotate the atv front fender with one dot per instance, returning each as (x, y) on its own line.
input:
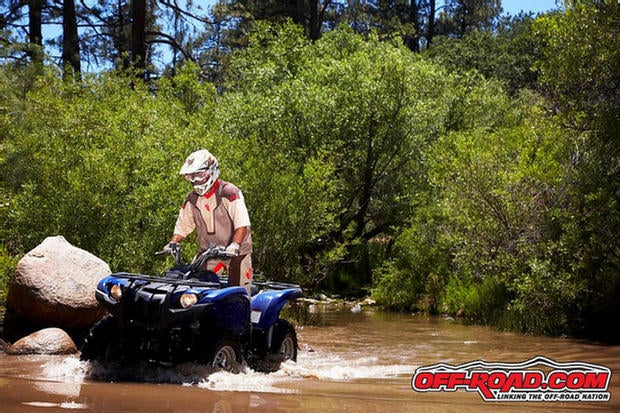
(266, 306)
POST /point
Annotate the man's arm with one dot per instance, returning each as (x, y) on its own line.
(240, 234)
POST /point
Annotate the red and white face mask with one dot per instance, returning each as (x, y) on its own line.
(201, 170)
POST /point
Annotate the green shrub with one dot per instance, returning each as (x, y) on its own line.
(7, 268)
(97, 163)
(414, 278)
(480, 300)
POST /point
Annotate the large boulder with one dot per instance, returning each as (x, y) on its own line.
(46, 341)
(54, 286)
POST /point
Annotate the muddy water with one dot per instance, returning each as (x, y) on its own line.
(348, 362)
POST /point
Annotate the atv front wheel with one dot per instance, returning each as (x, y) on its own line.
(101, 342)
(284, 345)
(226, 355)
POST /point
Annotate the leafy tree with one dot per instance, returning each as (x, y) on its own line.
(97, 163)
(527, 202)
(364, 109)
(411, 21)
(503, 204)
(461, 16)
(18, 18)
(467, 223)
(579, 68)
(414, 276)
(507, 53)
(312, 15)
(123, 33)
(580, 74)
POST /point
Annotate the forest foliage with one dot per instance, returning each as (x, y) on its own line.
(477, 177)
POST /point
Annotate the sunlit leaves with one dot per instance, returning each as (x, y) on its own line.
(98, 164)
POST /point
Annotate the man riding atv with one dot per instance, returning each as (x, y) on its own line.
(217, 211)
(189, 313)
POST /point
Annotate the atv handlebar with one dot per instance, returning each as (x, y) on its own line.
(213, 251)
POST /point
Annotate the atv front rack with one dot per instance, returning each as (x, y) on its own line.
(261, 282)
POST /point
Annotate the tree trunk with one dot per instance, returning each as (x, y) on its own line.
(138, 35)
(412, 41)
(35, 36)
(70, 39)
(314, 24)
(465, 19)
(431, 22)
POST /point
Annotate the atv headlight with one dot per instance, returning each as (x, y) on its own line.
(187, 300)
(116, 292)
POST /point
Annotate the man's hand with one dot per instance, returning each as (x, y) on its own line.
(171, 247)
(233, 249)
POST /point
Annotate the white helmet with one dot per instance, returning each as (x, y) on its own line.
(201, 169)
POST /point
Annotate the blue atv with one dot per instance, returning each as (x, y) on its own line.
(190, 315)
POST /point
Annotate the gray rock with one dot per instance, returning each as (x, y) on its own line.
(54, 285)
(46, 341)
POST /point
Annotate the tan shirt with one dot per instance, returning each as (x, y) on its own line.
(222, 210)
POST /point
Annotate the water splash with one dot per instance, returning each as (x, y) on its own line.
(310, 366)
(335, 368)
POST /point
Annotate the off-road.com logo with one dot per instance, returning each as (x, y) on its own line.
(537, 379)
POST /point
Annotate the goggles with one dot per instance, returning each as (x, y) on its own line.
(198, 177)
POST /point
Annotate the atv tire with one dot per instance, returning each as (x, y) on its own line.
(226, 355)
(284, 345)
(100, 342)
